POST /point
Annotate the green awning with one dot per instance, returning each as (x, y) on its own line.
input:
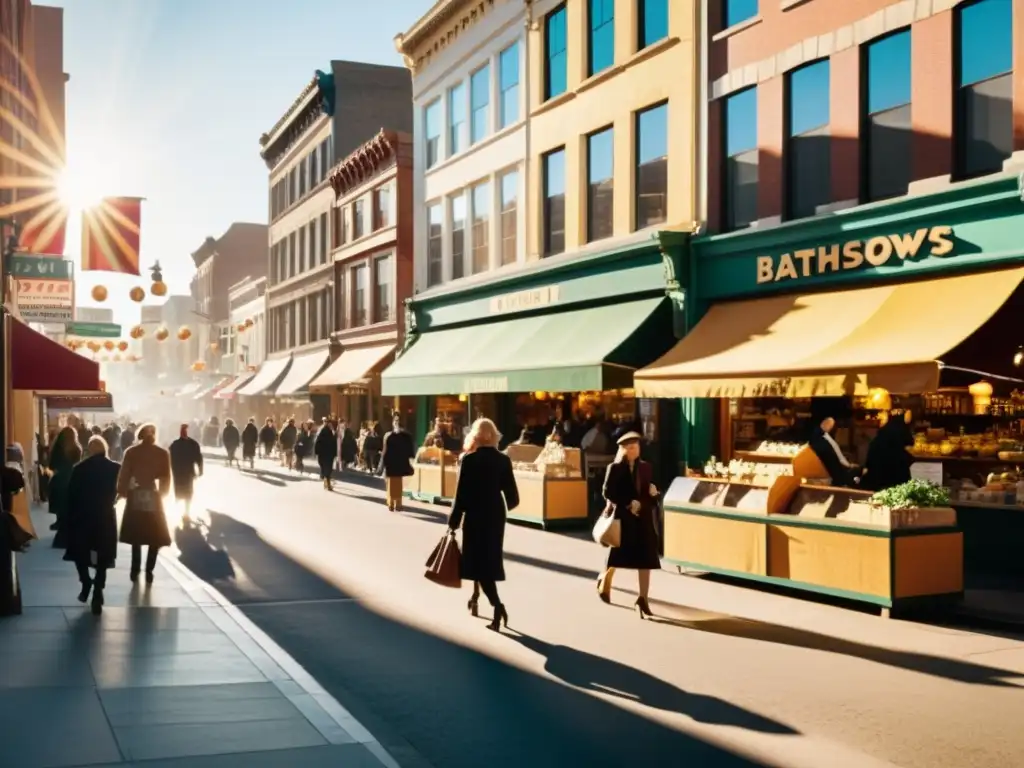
(576, 351)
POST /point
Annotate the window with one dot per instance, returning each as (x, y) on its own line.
(808, 148)
(359, 296)
(741, 159)
(292, 253)
(508, 76)
(456, 119)
(652, 22)
(381, 207)
(323, 237)
(651, 179)
(600, 184)
(556, 56)
(314, 169)
(302, 177)
(481, 227)
(887, 128)
(301, 236)
(313, 252)
(985, 93)
(293, 190)
(325, 159)
(434, 248)
(737, 11)
(554, 202)
(480, 97)
(432, 130)
(338, 234)
(458, 206)
(313, 313)
(383, 279)
(602, 36)
(509, 225)
(357, 219)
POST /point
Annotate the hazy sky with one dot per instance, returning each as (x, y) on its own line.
(168, 98)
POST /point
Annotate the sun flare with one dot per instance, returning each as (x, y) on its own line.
(77, 191)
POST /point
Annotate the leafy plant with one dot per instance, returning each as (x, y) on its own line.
(912, 495)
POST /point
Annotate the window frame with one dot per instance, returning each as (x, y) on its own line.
(504, 120)
(637, 163)
(592, 235)
(358, 218)
(458, 132)
(867, 116)
(642, 10)
(459, 260)
(432, 144)
(480, 74)
(504, 213)
(547, 234)
(728, 201)
(789, 155)
(378, 316)
(728, 23)
(428, 209)
(606, 25)
(357, 271)
(561, 14)
(478, 224)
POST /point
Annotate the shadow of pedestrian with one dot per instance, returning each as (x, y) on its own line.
(600, 675)
(206, 560)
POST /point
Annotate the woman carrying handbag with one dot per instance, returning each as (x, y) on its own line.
(632, 503)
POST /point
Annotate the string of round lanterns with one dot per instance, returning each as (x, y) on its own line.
(161, 333)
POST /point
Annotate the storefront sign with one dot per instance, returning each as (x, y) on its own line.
(26, 266)
(45, 301)
(484, 384)
(855, 254)
(94, 330)
(101, 401)
(521, 301)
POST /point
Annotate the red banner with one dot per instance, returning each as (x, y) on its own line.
(45, 232)
(110, 236)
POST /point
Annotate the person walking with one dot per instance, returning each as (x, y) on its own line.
(144, 480)
(65, 453)
(631, 496)
(127, 438)
(397, 454)
(326, 450)
(303, 445)
(268, 438)
(231, 438)
(186, 466)
(250, 437)
(485, 492)
(92, 520)
(289, 435)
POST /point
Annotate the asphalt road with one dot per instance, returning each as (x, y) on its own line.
(726, 677)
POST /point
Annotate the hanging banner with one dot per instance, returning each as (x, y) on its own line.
(45, 301)
(94, 330)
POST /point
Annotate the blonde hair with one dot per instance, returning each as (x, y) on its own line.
(97, 446)
(483, 434)
(147, 433)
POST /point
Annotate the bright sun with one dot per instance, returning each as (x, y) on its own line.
(77, 191)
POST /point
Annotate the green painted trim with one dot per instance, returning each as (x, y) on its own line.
(885, 602)
(525, 519)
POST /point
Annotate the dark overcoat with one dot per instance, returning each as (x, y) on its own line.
(231, 439)
(288, 436)
(92, 518)
(186, 464)
(146, 467)
(250, 436)
(622, 485)
(486, 491)
(399, 451)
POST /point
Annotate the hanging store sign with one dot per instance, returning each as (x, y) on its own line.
(23, 265)
(856, 254)
(520, 301)
(94, 330)
(45, 301)
(100, 401)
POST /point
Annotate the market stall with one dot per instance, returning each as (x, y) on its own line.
(435, 475)
(552, 487)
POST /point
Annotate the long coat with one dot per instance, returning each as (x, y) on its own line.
(485, 492)
(288, 437)
(186, 464)
(231, 439)
(146, 467)
(250, 436)
(398, 454)
(92, 519)
(622, 485)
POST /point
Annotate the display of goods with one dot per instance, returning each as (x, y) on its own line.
(778, 449)
(912, 494)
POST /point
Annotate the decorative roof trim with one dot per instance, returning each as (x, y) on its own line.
(365, 162)
(267, 137)
(441, 11)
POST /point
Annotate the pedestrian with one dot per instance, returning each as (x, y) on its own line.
(144, 480)
(326, 449)
(630, 495)
(347, 446)
(127, 438)
(268, 438)
(289, 435)
(92, 520)
(111, 435)
(250, 437)
(303, 445)
(65, 453)
(396, 458)
(186, 466)
(486, 490)
(231, 438)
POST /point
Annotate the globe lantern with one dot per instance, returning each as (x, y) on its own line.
(122, 346)
(99, 293)
(108, 345)
(137, 332)
(198, 365)
(136, 294)
(159, 287)
(93, 346)
(161, 334)
(184, 333)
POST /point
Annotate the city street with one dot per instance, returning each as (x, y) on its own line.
(727, 676)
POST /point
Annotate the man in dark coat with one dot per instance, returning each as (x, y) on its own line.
(186, 465)
(304, 445)
(326, 450)
(250, 437)
(127, 438)
(288, 437)
(92, 520)
(231, 439)
(268, 438)
(396, 462)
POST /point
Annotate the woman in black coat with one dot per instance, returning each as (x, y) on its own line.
(326, 449)
(92, 520)
(888, 463)
(631, 496)
(486, 491)
(250, 437)
(397, 454)
(231, 439)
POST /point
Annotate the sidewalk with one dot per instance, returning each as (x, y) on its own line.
(170, 676)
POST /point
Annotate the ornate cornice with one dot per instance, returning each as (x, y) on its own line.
(292, 127)
(265, 138)
(416, 46)
(364, 163)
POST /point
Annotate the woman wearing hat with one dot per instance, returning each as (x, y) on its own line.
(631, 497)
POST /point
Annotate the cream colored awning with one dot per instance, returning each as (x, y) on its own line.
(352, 365)
(304, 369)
(829, 344)
(267, 377)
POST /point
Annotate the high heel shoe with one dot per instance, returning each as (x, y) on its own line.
(643, 608)
(500, 617)
(474, 607)
(83, 596)
(602, 593)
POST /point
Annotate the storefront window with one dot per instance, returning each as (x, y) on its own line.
(742, 156)
(808, 148)
(888, 116)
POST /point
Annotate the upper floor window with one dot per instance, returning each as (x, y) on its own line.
(741, 159)
(325, 158)
(434, 245)
(887, 129)
(302, 177)
(383, 308)
(808, 148)
(509, 224)
(480, 98)
(600, 184)
(323, 237)
(651, 176)
(357, 219)
(458, 205)
(432, 131)
(508, 75)
(314, 169)
(652, 22)
(556, 56)
(338, 233)
(293, 252)
(737, 11)
(602, 36)
(456, 119)
(985, 93)
(381, 207)
(293, 189)
(553, 166)
(359, 315)
(481, 227)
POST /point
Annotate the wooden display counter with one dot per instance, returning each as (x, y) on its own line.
(816, 538)
(435, 475)
(550, 501)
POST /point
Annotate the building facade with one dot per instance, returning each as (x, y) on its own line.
(335, 114)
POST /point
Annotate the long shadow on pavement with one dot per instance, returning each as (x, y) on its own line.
(457, 707)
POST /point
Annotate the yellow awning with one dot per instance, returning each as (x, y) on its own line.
(829, 344)
(353, 365)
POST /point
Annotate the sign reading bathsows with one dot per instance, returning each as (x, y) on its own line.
(855, 254)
